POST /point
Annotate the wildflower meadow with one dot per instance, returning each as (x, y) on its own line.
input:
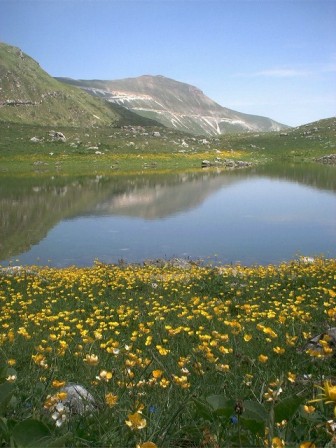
(168, 356)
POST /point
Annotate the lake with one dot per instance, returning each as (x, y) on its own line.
(258, 215)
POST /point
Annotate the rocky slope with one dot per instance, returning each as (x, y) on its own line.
(29, 95)
(175, 104)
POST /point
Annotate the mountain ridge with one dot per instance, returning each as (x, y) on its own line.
(29, 95)
(175, 104)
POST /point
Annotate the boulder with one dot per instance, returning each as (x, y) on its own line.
(57, 136)
(78, 399)
(35, 140)
(316, 345)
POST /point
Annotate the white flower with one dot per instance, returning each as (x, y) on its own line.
(11, 378)
(61, 414)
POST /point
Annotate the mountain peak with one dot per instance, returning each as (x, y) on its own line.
(177, 105)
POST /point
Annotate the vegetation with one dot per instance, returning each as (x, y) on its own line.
(173, 356)
(136, 147)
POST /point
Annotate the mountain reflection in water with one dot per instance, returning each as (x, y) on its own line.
(258, 215)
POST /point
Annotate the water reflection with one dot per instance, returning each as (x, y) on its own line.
(263, 214)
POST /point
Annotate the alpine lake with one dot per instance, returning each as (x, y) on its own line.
(258, 215)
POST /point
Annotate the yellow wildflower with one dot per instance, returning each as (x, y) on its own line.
(223, 367)
(57, 383)
(164, 383)
(91, 360)
(277, 442)
(110, 399)
(278, 350)
(328, 394)
(291, 377)
(104, 376)
(309, 409)
(272, 395)
(307, 445)
(136, 421)
(163, 351)
(262, 358)
(147, 445)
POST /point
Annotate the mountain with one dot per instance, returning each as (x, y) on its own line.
(175, 104)
(29, 95)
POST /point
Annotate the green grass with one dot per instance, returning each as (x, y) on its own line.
(136, 148)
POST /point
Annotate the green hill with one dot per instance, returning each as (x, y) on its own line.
(29, 95)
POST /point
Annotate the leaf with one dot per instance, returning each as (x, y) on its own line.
(60, 442)
(254, 425)
(202, 410)
(6, 392)
(254, 417)
(221, 405)
(31, 433)
(3, 426)
(286, 408)
(256, 410)
(3, 372)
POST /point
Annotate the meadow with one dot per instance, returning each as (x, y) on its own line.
(172, 356)
(135, 148)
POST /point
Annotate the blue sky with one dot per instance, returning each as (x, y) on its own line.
(275, 58)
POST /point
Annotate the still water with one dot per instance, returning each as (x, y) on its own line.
(254, 216)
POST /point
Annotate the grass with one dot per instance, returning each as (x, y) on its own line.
(132, 148)
(179, 357)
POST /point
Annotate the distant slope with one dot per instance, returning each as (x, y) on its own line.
(29, 95)
(176, 105)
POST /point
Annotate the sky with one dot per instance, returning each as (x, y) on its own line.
(275, 58)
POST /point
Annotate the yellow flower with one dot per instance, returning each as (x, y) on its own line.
(11, 362)
(291, 377)
(110, 399)
(147, 445)
(157, 373)
(164, 383)
(262, 358)
(279, 350)
(277, 442)
(91, 360)
(328, 394)
(290, 340)
(136, 421)
(309, 409)
(247, 337)
(163, 351)
(272, 395)
(57, 383)
(104, 376)
(40, 360)
(307, 445)
(223, 367)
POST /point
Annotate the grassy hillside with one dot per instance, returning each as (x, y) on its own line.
(29, 95)
(175, 104)
(300, 143)
(103, 149)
